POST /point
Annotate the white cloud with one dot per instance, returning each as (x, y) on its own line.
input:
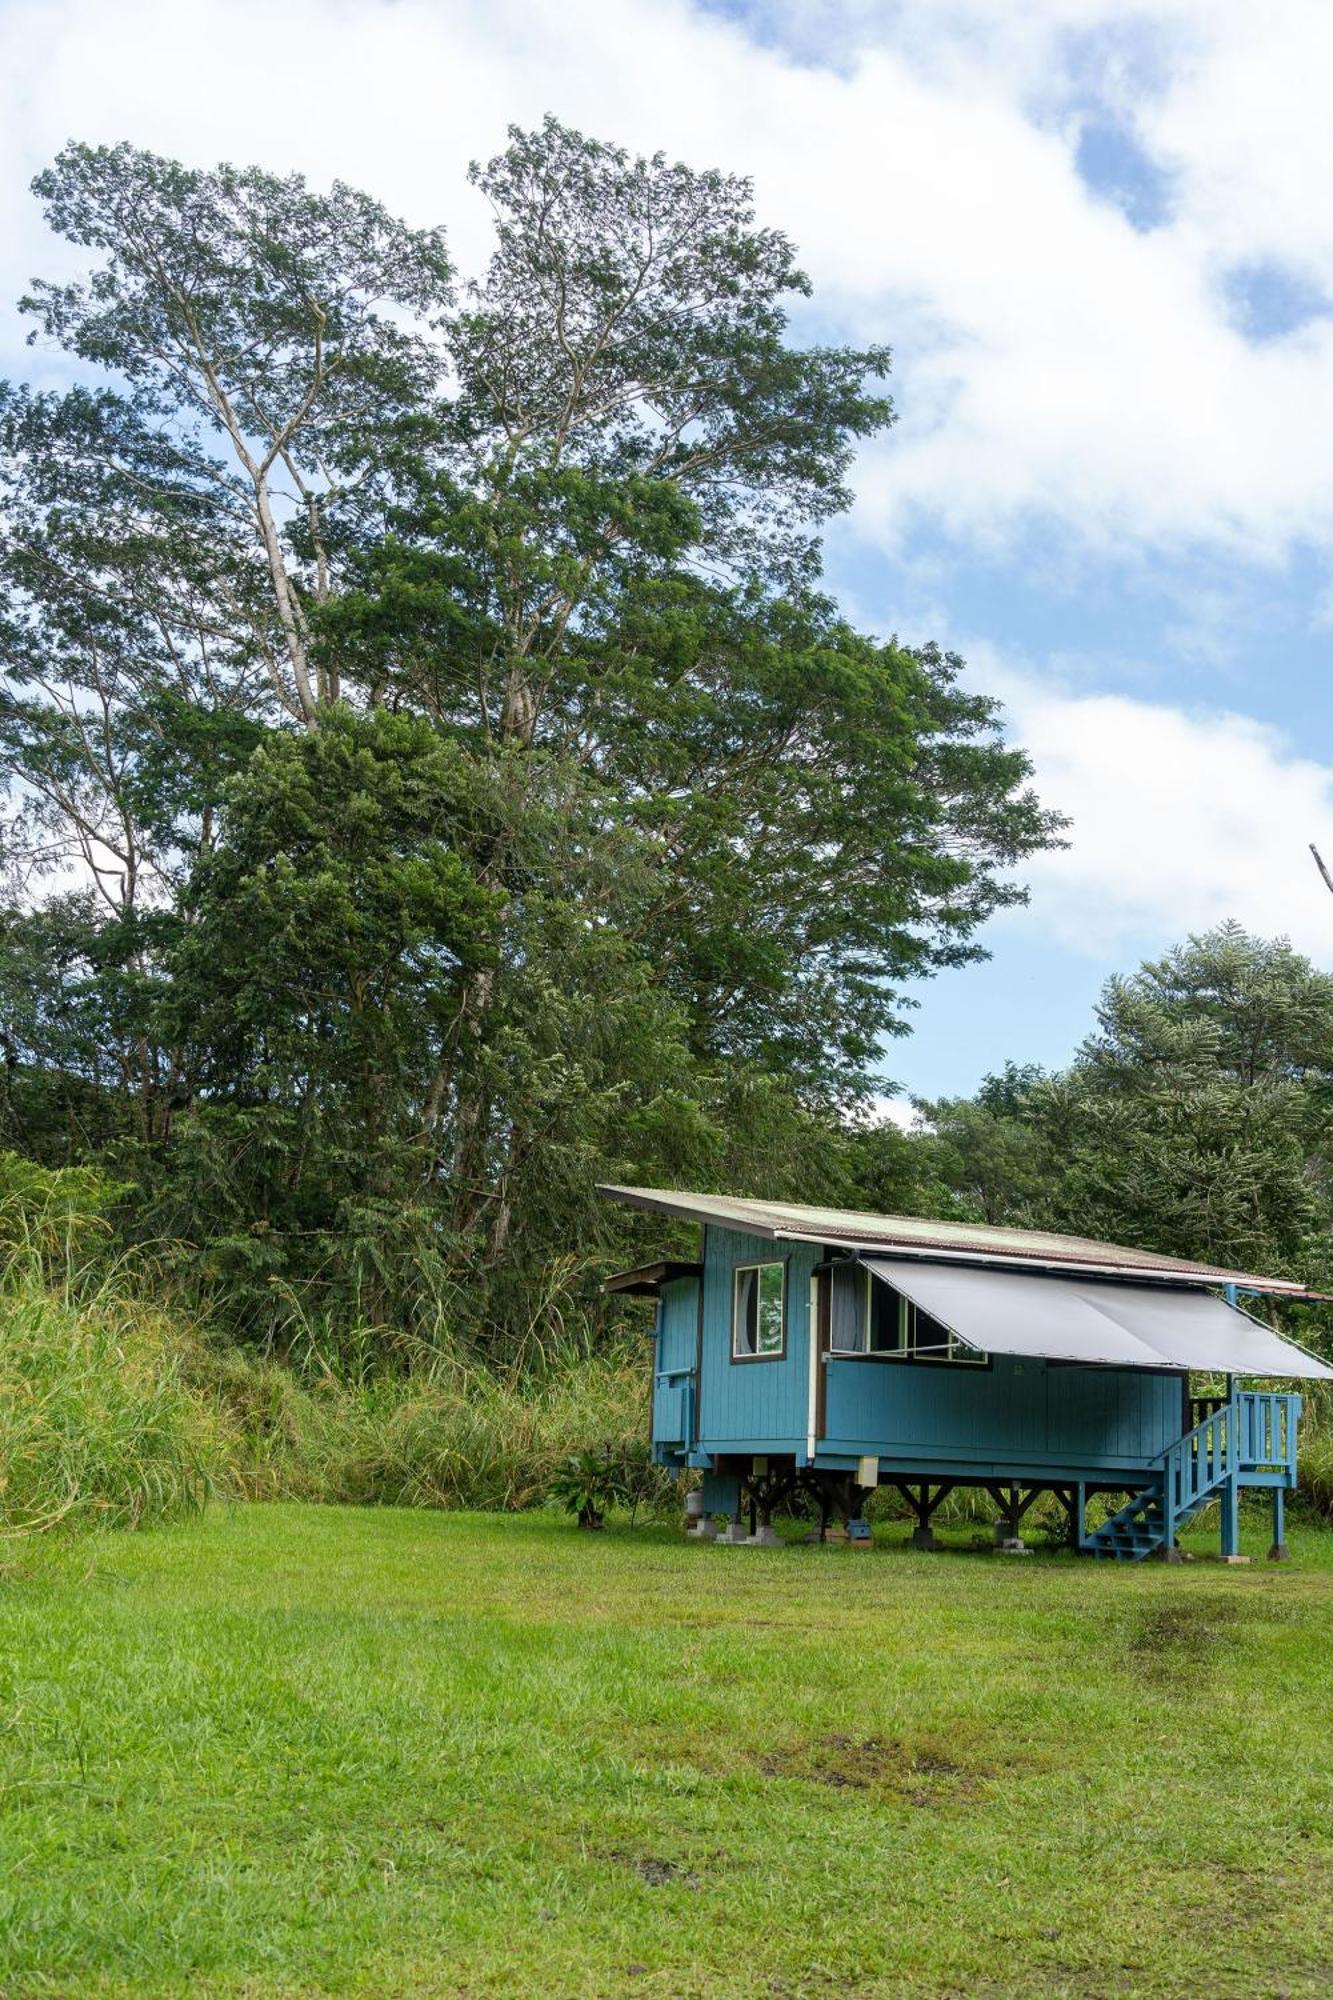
(1054, 363)
(1180, 821)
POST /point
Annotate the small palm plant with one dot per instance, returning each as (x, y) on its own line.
(591, 1481)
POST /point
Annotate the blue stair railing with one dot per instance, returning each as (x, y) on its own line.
(1267, 1426)
(1253, 1434)
(1196, 1465)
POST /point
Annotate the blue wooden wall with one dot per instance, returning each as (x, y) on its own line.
(673, 1382)
(1019, 1409)
(760, 1404)
(1014, 1410)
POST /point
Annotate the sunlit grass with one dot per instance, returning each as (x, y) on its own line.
(287, 1750)
(117, 1408)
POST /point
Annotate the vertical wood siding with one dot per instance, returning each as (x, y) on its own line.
(755, 1402)
(1014, 1408)
(677, 1338)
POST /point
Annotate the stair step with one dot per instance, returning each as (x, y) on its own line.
(1134, 1532)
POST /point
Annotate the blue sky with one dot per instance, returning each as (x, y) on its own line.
(1098, 239)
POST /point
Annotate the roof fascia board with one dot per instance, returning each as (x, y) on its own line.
(1149, 1273)
(741, 1217)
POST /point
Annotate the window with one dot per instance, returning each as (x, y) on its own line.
(757, 1329)
(869, 1317)
(863, 1315)
(925, 1339)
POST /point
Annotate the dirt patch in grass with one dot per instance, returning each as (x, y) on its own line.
(922, 1773)
(1186, 1634)
(656, 1871)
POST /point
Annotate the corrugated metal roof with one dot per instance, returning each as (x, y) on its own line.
(915, 1235)
(1095, 1321)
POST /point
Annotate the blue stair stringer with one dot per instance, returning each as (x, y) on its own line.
(1190, 1473)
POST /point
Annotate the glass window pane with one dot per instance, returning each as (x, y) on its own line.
(929, 1338)
(885, 1317)
(770, 1309)
(745, 1325)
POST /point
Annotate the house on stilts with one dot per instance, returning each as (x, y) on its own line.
(832, 1352)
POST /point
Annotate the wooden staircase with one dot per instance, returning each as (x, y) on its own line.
(1250, 1440)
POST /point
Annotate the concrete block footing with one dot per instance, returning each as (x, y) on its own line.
(765, 1538)
(702, 1530)
(1013, 1545)
(733, 1536)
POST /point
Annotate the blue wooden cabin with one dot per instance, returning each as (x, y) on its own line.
(833, 1352)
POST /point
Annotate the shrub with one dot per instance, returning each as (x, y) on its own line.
(590, 1483)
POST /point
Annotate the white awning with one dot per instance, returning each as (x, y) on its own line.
(1090, 1320)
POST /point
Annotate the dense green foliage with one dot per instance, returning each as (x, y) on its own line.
(1193, 1120)
(119, 1408)
(436, 779)
(290, 1750)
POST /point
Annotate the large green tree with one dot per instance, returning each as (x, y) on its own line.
(434, 683)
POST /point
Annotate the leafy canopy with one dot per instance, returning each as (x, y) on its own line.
(469, 791)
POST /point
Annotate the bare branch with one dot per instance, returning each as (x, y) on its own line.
(1319, 864)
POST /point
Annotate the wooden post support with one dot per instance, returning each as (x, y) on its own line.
(1169, 1552)
(1230, 1503)
(1279, 1553)
(1013, 1504)
(923, 1504)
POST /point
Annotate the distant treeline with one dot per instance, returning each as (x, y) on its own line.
(1196, 1118)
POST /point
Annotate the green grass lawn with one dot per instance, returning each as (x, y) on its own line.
(289, 1750)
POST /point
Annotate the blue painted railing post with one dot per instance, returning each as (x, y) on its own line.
(1231, 1517)
(1230, 1496)
(1170, 1553)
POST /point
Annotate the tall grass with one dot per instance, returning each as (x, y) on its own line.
(98, 1420)
(459, 1437)
(117, 1407)
(115, 1410)
(1314, 1460)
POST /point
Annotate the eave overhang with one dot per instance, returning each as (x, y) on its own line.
(647, 1280)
